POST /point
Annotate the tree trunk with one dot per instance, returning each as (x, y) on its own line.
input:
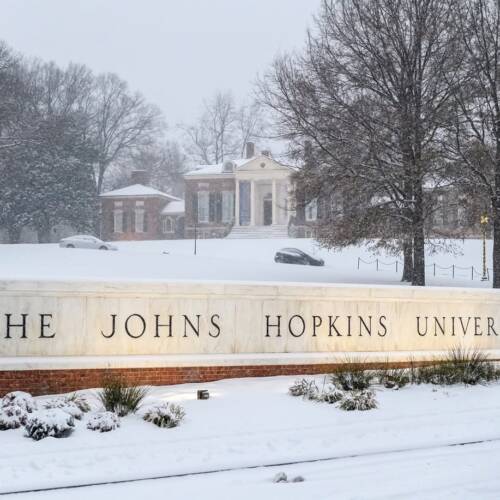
(407, 261)
(43, 233)
(418, 278)
(14, 234)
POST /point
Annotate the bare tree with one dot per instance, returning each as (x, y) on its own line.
(122, 122)
(223, 129)
(165, 163)
(474, 138)
(381, 72)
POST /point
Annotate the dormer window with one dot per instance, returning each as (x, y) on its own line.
(228, 166)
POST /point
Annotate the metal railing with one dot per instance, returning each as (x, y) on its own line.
(456, 271)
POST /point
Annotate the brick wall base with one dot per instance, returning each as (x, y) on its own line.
(40, 382)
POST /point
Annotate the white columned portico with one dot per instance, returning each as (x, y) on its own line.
(275, 203)
(237, 204)
(252, 203)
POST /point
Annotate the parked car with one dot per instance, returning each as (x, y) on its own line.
(84, 241)
(296, 256)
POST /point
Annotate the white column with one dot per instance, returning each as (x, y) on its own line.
(252, 203)
(290, 202)
(237, 204)
(275, 203)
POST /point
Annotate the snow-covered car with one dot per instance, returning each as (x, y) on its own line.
(296, 256)
(84, 241)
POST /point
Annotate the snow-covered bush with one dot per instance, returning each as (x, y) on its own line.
(120, 397)
(358, 400)
(21, 399)
(54, 423)
(65, 405)
(165, 415)
(305, 388)
(12, 417)
(331, 395)
(80, 401)
(103, 422)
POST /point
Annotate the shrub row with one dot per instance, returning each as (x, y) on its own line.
(56, 417)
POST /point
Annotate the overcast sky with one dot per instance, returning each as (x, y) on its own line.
(176, 52)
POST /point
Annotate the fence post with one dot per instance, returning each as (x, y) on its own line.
(396, 266)
(377, 264)
(358, 263)
(453, 270)
(434, 265)
(472, 274)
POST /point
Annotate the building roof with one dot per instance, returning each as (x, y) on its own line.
(174, 207)
(217, 168)
(138, 191)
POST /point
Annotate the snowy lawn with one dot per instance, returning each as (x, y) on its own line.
(235, 260)
(400, 450)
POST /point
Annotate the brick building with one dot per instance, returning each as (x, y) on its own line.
(248, 197)
(140, 212)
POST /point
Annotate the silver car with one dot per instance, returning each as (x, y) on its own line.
(84, 241)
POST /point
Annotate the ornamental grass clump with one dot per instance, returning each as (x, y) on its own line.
(358, 400)
(461, 366)
(80, 401)
(352, 376)
(307, 389)
(121, 398)
(331, 395)
(165, 415)
(392, 378)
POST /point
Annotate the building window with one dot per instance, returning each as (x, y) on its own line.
(312, 211)
(203, 206)
(139, 220)
(118, 221)
(227, 206)
(168, 225)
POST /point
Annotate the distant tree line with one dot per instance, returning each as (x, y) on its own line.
(390, 99)
(64, 134)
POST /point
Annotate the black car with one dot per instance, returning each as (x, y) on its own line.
(296, 256)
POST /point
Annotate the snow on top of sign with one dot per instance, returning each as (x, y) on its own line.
(137, 190)
(174, 207)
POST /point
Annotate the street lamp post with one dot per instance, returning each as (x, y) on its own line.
(484, 224)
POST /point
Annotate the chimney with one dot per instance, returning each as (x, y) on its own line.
(250, 150)
(266, 152)
(140, 177)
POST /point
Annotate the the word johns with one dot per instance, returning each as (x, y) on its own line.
(136, 325)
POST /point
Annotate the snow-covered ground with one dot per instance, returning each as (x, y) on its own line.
(400, 450)
(236, 260)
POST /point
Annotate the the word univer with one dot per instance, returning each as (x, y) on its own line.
(335, 326)
(136, 325)
(455, 325)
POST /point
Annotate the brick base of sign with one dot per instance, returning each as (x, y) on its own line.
(40, 382)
